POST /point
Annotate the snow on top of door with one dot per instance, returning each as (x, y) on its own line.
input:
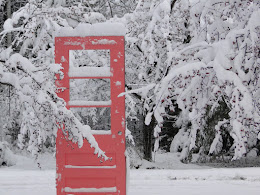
(98, 29)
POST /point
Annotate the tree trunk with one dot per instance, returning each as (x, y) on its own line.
(147, 139)
(9, 14)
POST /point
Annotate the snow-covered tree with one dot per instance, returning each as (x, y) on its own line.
(28, 65)
(113, 8)
(221, 64)
(153, 30)
(9, 108)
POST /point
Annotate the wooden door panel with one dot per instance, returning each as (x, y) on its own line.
(79, 171)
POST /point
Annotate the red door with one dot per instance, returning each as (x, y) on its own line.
(79, 171)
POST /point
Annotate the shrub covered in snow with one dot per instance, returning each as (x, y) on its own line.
(221, 63)
(218, 63)
(7, 158)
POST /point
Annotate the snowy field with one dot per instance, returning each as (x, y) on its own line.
(26, 179)
(145, 182)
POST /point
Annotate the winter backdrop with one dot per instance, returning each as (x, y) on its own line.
(192, 76)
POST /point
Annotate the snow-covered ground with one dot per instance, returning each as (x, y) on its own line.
(26, 179)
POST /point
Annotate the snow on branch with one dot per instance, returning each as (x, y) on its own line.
(28, 65)
(219, 64)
